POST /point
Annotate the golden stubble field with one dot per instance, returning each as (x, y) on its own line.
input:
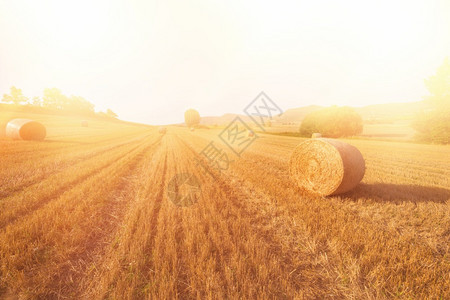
(86, 215)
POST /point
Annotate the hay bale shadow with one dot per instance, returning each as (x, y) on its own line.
(398, 193)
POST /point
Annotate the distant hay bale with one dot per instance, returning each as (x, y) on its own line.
(326, 166)
(251, 133)
(192, 129)
(84, 123)
(162, 130)
(24, 129)
(316, 135)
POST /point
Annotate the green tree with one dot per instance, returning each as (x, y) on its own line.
(79, 104)
(111, 114)
(333, 122)
(191, 117)
(439, 86)
(434, 125)
(54, 98)
(15, 96)
(36, 101)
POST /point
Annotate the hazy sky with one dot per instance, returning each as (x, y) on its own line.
(151, 60)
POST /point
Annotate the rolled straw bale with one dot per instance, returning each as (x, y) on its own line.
(251, 133)
(326, 166)
(316, 135)
(84, 123)
(192, 129)
(24, 129)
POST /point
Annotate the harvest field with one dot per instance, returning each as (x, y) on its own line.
(86, 214)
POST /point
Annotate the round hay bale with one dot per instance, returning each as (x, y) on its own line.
(316, 135)
(162, 130)
(24, 129)
(84, 123)
(251, 133)
(192, 129)
(326, 166)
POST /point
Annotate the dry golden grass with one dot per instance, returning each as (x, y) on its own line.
(85, 214)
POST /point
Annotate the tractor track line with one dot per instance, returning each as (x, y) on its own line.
(61, 190)
(72, 162)
(133, 158)
(254, 218)
(112, 215)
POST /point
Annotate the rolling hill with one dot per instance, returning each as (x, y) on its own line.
(377, 113)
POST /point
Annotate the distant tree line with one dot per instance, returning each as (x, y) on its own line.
(54, 99)
(434, 125)
(332, 122)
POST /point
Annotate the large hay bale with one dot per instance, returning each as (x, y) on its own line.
(24, 129)
(316, 135)
(326, 166)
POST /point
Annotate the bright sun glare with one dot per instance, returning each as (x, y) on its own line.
(151, 60)
(290, 149)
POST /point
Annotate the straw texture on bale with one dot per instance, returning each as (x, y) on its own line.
(316, 135)
(24, 129)
(326, 166)
(84, 123)
(251, 133)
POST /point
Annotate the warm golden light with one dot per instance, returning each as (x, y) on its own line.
(207, 149)
(164, 57)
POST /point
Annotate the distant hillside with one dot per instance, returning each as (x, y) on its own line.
(377, 113)
(296, 115)
(224, 119)
(56, 120)
(392, 111)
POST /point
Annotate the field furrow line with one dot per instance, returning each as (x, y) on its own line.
(33, 198)
(72, 223)
(14, 149)
(124, 262)
(72, 276)
(51, 166)
(324, 219)
(354, 237)
(265, 225)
